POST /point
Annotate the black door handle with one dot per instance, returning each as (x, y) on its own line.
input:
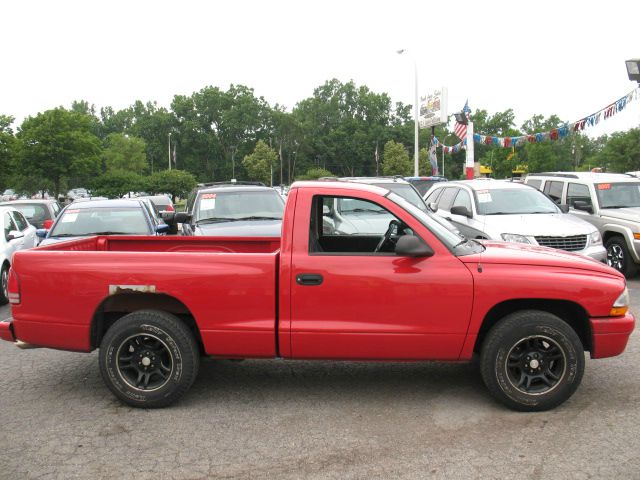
(310, 279)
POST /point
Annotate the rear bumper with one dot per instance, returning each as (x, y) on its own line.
(609, 335)
(6, 331)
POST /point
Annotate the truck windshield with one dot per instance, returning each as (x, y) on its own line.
(78, 222)
(456, 243)
(239, 205)
(618, 195)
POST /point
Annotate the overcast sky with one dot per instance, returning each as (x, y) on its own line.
(546, 57)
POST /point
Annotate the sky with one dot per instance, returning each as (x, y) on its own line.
(536, 57)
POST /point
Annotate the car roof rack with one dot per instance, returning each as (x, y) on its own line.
(230, 184)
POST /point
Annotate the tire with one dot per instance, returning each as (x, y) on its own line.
(618, 256)
(532, 361)
(4, 284)
(149, 359)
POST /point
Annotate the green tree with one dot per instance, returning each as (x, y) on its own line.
(57, 146)
(396, 159)
(314, 174)
(261, 163)
(177, 183)
(116, 183)
(7, 150)
(621, 153)
(125, 153)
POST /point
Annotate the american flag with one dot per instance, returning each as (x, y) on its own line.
(460, 129)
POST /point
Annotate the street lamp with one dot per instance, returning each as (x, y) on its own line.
(416, 156)
(633, 69)
(233, 161)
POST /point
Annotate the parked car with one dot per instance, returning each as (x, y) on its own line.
(609, 201)
(513, 212)
(17, 235)
(103, 217)
(8, 195)
(423, 184)
(154, 306)
(161, 203)
(39, 213)
(236, 209)
(76, 193)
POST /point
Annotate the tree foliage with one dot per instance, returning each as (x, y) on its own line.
(260, 164)
(125, 153)
(117, 183)
(396, 160)
(314, 174)
(177, 183)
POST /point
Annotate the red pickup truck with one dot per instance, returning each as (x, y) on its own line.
(334, 286)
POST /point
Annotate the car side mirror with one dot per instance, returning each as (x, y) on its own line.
(162, 228)
(460, 210)
(326, 211)
(564, 208)
(14, 234)
(168, 217)
(42, 232)
(584, 206)
(182, 217)
(412, 246)
(433, 206)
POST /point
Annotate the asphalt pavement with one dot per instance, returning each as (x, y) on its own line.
(333, 420)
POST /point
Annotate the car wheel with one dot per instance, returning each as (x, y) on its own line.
(4, 280)
(149, 359)
(619, 258)
(532, 361)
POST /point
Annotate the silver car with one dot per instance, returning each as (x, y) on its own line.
(513, 212)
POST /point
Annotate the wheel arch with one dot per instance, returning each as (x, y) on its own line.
(116, 306)
(570, 312)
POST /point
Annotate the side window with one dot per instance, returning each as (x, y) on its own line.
(8, 225)
(433, 196)
(575, 191)
(535, 182)
(344, 225)
(463, 200)
(56, 209)
(191, 200)
(20, 221)
(554, 190)
(446, 199)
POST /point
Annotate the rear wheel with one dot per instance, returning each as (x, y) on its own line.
(619, 258)
(4, 284)
(149, 359)
(532, 361)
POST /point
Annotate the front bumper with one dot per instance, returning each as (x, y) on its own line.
(6, 331)
(609, 335)
(598, 253)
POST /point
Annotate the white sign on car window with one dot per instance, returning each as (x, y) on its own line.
(208, 201)
(70, 216)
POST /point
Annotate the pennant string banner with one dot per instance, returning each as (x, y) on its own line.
(554, 134)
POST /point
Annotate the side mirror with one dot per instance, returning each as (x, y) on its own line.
(460, 210)
(14, 234)
(47, 224)
(42, 232)
(412, 246)
(433, 206)
(326, 211)
(162, 228)
(584, 206)
(182, 217)
(168, 217)
(564, 208)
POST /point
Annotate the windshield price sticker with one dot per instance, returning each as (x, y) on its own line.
(70, 216)
(604, 186)
(484, 196)
(208, 203)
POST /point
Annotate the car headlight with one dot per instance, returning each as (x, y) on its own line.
(621, 305)
(595, 238)
(515, 238)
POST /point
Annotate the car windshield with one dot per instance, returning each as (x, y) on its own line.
(513, 201)
(102, 220)
(407, 192)
(422, 185)
(239, 205)
(618, 195)
(36, 213)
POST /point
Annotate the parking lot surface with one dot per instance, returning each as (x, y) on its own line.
(342, 420)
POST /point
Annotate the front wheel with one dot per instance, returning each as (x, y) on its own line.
(532, 361)
(149, 359)
(619, 258)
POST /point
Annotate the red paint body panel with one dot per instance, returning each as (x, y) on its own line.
(246, 302)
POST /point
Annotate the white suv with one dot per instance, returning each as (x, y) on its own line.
(513, 212)
(609, 201)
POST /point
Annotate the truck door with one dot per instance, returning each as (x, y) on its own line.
(354, 298)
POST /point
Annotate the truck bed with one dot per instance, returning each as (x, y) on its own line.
(227, 285)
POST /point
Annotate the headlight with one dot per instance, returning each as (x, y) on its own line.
(621, 305)
(515, 238)
(595, 238)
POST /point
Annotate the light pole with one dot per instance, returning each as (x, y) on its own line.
(169, 150)
(233, 162)
(416, 156)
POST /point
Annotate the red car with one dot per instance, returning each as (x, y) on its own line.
(414, 291)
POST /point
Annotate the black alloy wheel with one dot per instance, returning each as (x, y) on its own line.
(4, 288)
(618, 256)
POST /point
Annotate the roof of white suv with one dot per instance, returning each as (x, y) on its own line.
(484, 184)
(588, 176)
